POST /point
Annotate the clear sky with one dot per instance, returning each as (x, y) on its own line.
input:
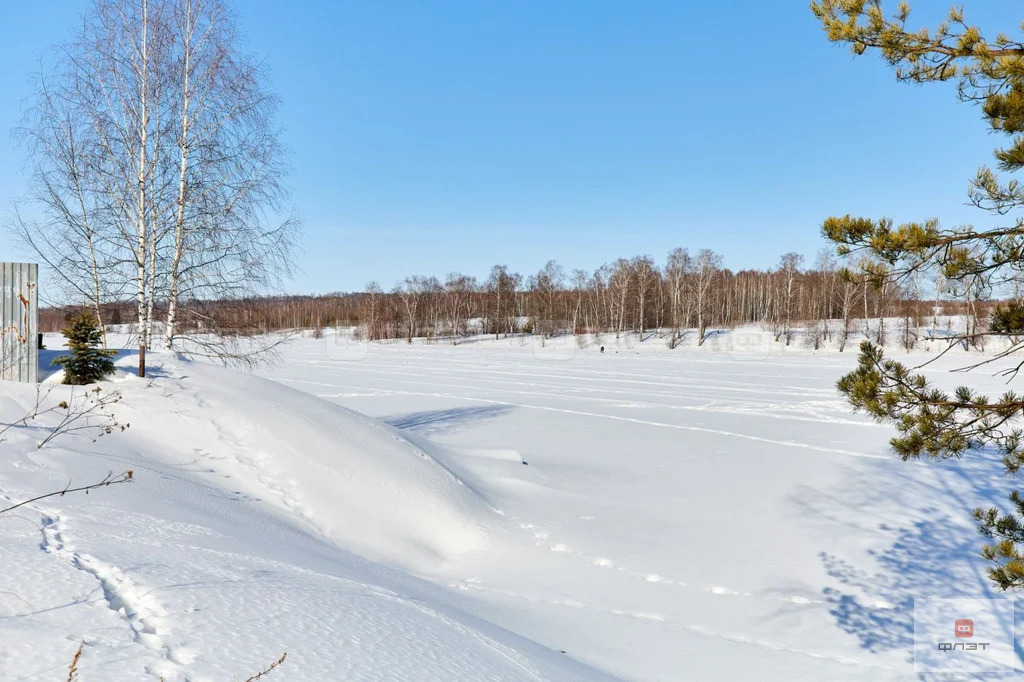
(429, 137)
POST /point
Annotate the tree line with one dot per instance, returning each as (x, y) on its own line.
(688, 295)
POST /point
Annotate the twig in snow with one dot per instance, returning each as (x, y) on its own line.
(266, 671)
(82, 411)
(73, 668)
(109, 479)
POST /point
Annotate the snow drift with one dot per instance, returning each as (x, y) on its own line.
(357, 481)
(261, 521)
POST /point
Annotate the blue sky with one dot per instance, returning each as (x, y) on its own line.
(452, 135)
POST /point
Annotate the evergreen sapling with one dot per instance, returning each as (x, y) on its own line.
(88, 362)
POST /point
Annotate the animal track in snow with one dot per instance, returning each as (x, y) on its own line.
(271, 479)
(476, 585)
(544, 538)
(138, 608)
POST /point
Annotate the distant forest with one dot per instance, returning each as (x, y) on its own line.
(688, 292)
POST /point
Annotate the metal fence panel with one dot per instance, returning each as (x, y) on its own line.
(19, 322)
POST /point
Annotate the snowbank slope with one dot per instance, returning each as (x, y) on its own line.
(261, 521)
(356, 480)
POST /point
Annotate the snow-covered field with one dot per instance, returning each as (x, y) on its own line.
(503, 511)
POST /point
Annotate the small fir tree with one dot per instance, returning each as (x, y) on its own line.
(88, 363)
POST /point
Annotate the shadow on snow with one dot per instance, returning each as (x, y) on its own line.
(439, 421)
(932, 545)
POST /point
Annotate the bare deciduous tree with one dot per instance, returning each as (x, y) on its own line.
(705, 269)
(789, 268)
(157, 169)
(645, 274)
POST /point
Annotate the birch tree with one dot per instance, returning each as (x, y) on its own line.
(789, 268)
(705, 270)
(229, 238)
(676, 269)
(644, 272)
(157, 169)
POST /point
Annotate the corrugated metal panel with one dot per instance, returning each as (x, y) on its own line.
(19, 321)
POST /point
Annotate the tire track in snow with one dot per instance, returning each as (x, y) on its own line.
(695, 629)
(649, 375)
(718, 406)
(781, 648)
(426, 372)
(687, 427)
(646, 422)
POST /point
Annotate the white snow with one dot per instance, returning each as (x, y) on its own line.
(496, 510)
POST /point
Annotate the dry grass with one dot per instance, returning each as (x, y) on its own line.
(73, 668)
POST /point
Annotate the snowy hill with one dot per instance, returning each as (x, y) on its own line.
(354, 480)
(249, 531)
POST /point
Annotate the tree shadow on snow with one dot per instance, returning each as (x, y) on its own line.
(935, 553)
(439, 421)
(48, 355)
